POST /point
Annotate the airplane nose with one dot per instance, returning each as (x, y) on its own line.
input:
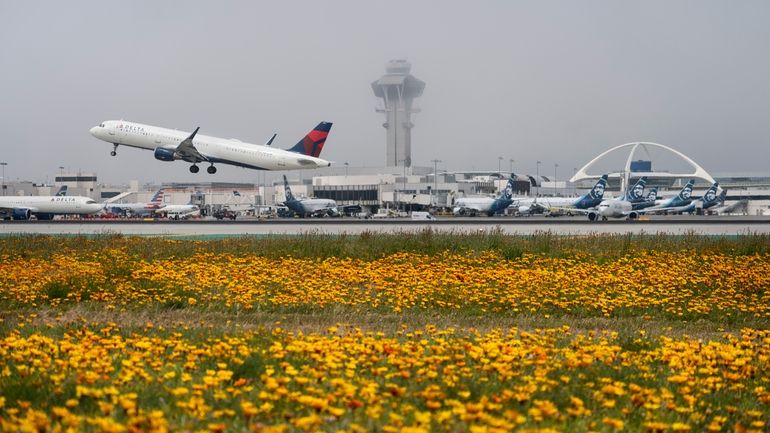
(93, 130)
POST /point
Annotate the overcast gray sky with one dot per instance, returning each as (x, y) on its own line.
(555, 81)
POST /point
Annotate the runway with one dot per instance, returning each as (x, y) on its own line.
(675, 225)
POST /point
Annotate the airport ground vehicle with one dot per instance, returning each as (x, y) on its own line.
(224, 214)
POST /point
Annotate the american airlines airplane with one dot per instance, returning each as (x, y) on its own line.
(171, 145)
(45, 207)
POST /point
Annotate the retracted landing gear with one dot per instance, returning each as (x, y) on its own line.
(194, 168)
(211, 169)
(114, 149)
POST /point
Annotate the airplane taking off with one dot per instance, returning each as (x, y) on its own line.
(488, 205)
(139, 209)
(566, 204)
(171, 145)
(309, 206)
(45, 207)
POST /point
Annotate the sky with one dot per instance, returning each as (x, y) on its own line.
(551, 81)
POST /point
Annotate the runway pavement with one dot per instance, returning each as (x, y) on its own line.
(707, 225)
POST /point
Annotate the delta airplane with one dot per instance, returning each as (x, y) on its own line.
(320, 207)
(488, 205)
(141, 209)
(567, 204)
(45, 207)
(171, 145)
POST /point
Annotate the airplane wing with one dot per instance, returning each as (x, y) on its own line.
(187, 151)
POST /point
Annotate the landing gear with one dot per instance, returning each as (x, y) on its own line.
(211, 169)
(114, 149)
(194, 168)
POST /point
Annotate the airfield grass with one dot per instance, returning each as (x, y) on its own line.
(407, 332)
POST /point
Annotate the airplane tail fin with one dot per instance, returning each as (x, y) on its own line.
(710, 196)
(313, 143)
(157, 198)
(652, 195)
(62, 191)
(287, 190)
(635, 192)
(597, 192)
(686, 192)
(508, 192)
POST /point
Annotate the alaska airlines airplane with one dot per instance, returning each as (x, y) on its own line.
(488, 205)
(171, 145)
(622, 208)
(45, 207)
(309, 206)
(709, 200)
(566, 204)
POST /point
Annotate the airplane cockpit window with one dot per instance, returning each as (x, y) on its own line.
(101, 125)
(90, 201)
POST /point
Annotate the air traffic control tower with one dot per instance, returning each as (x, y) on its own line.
(398, 88)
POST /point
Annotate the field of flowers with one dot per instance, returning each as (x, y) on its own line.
(410, 333)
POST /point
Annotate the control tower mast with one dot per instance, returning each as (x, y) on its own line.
(398, 88)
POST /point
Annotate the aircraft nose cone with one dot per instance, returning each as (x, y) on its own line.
(93, 130)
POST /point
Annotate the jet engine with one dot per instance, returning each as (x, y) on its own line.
(21, 214)
(593, 216)
(164, 154)
(524, 210)
(633, 216)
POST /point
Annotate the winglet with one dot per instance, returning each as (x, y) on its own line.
(269, 142)
(193, 134)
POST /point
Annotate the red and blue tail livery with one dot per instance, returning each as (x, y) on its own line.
(313, 143)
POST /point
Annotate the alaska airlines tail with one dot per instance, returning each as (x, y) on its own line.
(287, 190)
(686, 192)
(710, 196)
(597, 192)
(652, 195)
(635, 193)
(508, 191)
(313, 143)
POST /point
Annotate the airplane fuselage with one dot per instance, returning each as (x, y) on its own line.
(215, 149)
(50, 205)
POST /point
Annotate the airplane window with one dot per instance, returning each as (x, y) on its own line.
(101, 125)
(90, 202)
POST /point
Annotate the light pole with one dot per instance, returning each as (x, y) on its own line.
(555, 166)
(3, 164)
(511, 161)
(435, 177)
(499, 160)
(574, 185)
(346, 169)
(537, 176)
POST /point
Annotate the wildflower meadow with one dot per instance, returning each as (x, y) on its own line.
(407, 332)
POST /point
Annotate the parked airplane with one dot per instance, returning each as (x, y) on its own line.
(139, 209)
(648, 201)
(45, 207)
(565, 204)
(682, 199)
(622, 208)
(709, 200)
(488, 205)
(171, 145)
(319, 207)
